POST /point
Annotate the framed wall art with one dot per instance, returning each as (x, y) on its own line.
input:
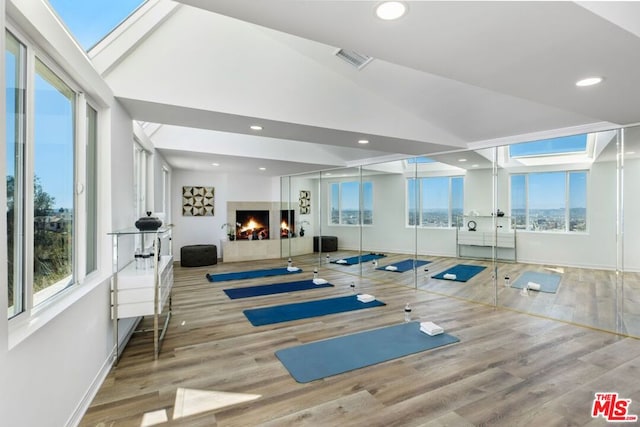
(305, 202)
(198, 201)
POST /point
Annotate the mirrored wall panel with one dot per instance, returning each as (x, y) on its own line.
(543, 227)
(560, 198)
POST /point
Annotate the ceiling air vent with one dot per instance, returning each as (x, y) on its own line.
(356, 59)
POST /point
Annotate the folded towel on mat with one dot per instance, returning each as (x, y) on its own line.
(430, 328)
(450, 276)
(366, 298)
(391, 268)
(319, 281)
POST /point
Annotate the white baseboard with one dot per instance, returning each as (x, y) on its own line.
(83, 405)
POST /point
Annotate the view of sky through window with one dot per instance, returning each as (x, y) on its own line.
(564, 145)
(90, 21)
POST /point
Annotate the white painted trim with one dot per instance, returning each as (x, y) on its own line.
(535, 136)
(98, 380)
(116, 46)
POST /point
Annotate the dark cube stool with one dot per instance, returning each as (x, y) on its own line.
(198, 255)
(328, 243)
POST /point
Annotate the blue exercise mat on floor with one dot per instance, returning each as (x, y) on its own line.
(250, 274)
(548, 282)
(275, 288)
(405, 265)
(357, 259)
(463, 272)
(320, 359)
(304, 310)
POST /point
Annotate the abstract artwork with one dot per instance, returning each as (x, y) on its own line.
(197, 201)
(305, 202)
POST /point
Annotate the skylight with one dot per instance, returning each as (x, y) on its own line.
(90, 21)
(548, 147)
(414, 160)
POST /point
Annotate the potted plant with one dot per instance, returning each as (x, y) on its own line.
(301, 234)
(231, 230)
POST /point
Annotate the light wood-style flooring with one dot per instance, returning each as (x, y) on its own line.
(509, 368)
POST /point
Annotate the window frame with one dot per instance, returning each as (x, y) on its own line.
(567, 201)
(361, 198)
(22, 322)
(451, 219)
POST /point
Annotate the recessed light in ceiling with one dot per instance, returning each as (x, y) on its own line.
(630, 153)
(215, 164)
(475, 166)
(255, 127)
(328, 173)
(390, 10)
(589, 81)
(363, 141)
(262, 169)
(462, 160)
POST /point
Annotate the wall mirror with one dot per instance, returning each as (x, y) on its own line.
(561, 197)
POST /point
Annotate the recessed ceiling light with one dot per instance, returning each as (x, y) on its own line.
(215, 164)
(475, 166)
(363, 141)
(328, 173)
(390, 10)
(630, 152)
(462, 160)
(255, 127)
(589, 81)
(262, 169)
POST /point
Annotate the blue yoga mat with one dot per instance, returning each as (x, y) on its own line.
(405, 265)
(548, 282)
(251, 274)
(304, 310)
(320, 359)
(357, 259)
(463, 272)
(276, 288)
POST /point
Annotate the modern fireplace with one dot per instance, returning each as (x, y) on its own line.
(254, 224)
(287, 223)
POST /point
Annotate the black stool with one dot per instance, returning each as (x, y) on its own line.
(328, 243)
(198, 255)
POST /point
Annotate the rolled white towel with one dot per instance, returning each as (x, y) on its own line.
(341, 261)
(319, 281)
(293, 269)
(391, 268)
(450, 276)
(366, 298)
(430, 328)
(533, 286)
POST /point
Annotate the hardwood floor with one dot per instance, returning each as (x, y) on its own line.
(509, 368)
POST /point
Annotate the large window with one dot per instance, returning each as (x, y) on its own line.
(550, 201)
(53, 180)
(15, 60)
(346, 200)
(434, 201)
(48, 192)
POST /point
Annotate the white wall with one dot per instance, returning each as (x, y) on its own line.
(236, 187)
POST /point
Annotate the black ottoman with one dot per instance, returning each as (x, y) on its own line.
(198, 255)
(328, 243)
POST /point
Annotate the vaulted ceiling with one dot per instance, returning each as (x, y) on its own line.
(447, 76)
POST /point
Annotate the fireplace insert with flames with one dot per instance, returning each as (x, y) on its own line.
(254, 225)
